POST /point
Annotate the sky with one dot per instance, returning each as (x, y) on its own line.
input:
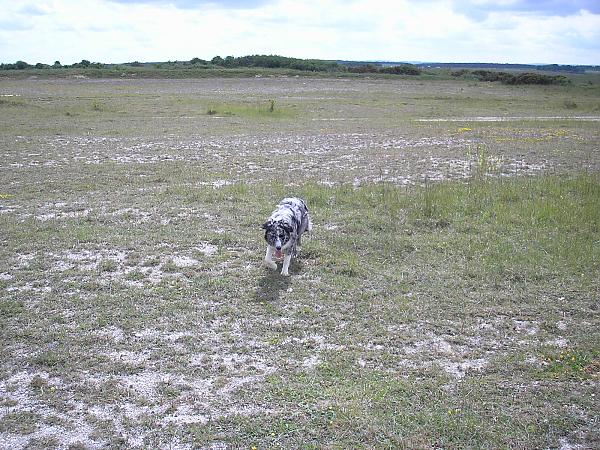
(118, 31)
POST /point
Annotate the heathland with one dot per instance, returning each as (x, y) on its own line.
(447, 297)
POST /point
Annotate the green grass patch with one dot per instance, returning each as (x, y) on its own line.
(10, 308)
(375, 410)
(20, 422)
(252, 110)
(571, 364)
(11, 103)
(518, 228)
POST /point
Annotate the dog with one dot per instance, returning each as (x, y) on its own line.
(283, 231)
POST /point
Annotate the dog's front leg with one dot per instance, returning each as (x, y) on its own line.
(286, 265)
(269, 258)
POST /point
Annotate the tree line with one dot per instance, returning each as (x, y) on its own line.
(312, 65)
(22, 65)
(231, 62)
(277, 62)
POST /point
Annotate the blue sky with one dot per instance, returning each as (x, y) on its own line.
(505, 31)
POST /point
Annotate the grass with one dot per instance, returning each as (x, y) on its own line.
(447, 297)
(455, 247)
(259, 109)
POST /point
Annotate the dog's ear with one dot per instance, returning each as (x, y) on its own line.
(268, 224)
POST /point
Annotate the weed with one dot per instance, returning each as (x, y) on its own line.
(20, 423)
(135, 275)
(253, 110)
(50, 359)
(108, 265)
(11, 103)
(570, 364)
(170, 267)
(481, 162)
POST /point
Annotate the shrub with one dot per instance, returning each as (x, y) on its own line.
(488, 75)
(366, 68)
(275, 61)
(459, 73)
(521, 78)
(536, 78)
(404, 69)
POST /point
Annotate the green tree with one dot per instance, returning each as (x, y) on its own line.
(230, 61)
(217, 61)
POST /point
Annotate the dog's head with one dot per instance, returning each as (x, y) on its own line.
(277, 233)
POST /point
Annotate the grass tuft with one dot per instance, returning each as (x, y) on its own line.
(251, 110)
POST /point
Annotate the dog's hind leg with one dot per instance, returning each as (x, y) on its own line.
(305, 226)
(269, 258)
(286, 265)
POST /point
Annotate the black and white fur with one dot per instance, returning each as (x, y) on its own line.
(283, 231)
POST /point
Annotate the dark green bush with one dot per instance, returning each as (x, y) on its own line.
(404, 69)
(520, 78)
(459, 73)
(276, 62)
(537, 78)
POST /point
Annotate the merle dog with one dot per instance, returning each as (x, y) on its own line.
(283, 231)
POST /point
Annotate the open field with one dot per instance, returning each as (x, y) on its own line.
(447, 298)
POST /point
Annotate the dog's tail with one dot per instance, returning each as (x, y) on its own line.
(309, 227)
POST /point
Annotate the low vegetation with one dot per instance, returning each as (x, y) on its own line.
(513, 78)
(277, 62)
(280, 65)
(404, 69)
(262, 109)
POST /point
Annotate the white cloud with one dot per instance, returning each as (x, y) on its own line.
(433, 30)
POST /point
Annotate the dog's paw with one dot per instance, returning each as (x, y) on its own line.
(285, 273)
(271, 264)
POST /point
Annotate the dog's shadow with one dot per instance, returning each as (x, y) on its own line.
(273, 284)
